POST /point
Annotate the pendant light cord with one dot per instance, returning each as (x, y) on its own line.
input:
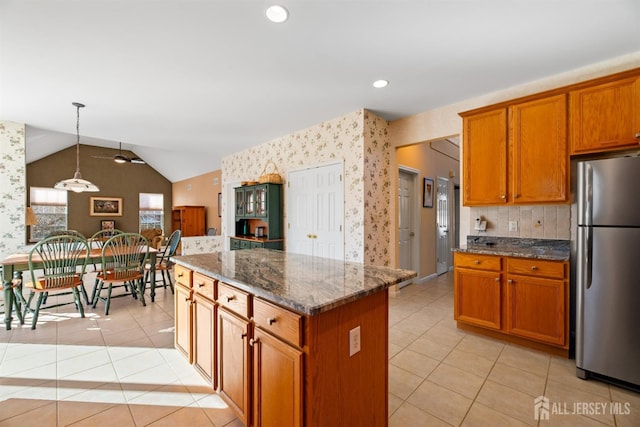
(77, 137)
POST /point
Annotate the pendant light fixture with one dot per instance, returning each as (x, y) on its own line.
(77, 184)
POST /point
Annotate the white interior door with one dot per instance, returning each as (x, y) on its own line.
(315, 211)
(443, 249)
(406, 233)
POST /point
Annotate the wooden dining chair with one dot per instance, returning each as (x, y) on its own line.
(163, 261)
(97, 240)
(123, 259)
(56, 263)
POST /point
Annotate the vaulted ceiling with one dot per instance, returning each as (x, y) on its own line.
(182, 83)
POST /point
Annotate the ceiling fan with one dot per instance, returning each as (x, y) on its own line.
(120, 158)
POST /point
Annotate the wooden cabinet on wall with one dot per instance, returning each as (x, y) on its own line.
(531, 304)
(605, 116)
(188, 219)
(517, 154)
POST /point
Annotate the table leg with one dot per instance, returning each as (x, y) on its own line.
(153, 276)
(8, 303)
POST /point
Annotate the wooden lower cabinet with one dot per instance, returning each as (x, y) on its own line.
(204, 321)
(183, 320)
(479, 298)
(527, 298)
(234, 364)
(276, 367)
(277, 371)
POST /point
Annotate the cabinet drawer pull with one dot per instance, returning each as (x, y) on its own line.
(180, 274)
(534, 268)
(253, 341)
(497, 279)
(186, 299)
(243, 336)
(638, 135)
(231, 298)
(200, 284)
(510, 281)
(476, 262)
(271, 320)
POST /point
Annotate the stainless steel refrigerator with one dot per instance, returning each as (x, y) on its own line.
(608, 269)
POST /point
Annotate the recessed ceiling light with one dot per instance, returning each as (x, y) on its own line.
(378, 84)
(277, 13)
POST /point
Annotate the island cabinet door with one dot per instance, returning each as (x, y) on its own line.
(204, 320)
(234, 363)
(184, 321)
(277, 382)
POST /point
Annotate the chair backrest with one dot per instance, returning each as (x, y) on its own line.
(66, 233)
(170, 249)
(100, 237)
(59, 257)
(173, 242)
(124, 256)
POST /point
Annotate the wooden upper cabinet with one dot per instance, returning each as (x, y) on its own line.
(606, 116)
(485, 158)
(539, 159)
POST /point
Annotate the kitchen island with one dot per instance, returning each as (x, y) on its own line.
(288, 339)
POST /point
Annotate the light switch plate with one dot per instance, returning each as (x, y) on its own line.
(354, 341)
(513, 225)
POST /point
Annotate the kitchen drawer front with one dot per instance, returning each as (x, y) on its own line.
(536, 267)
(183, 276)
(479, 262)
(204, 286)
(234, 299)
(278, 321)
(245, 244)
(235, 244)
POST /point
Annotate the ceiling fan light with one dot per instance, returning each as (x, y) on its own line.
(138, 161)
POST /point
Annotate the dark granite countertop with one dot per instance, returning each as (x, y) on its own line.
(305, 284)
(550, 249)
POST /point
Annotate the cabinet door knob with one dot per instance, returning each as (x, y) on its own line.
(253, 341)
(497, 279)
(231, 298)
(243, 336)
(476, 262)
(509, 281)
(534, 268)
(271, 320)
(638, 135)
(309, 236)
(503, 197)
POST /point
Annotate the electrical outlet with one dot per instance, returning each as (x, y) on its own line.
(354, 341)
(513, 225)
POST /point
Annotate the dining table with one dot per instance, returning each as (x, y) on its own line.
(14, 265)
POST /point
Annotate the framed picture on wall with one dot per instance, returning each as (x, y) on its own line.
(105, 206)
(107, 224)
(427, 196)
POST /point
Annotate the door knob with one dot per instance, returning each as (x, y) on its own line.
(412, 234)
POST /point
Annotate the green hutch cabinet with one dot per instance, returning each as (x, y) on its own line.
(258, 212)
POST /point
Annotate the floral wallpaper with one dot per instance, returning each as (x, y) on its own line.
(360, 140)
(13, 192)
(201, 244)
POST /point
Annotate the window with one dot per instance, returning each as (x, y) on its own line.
(151, 211)
(50, 207)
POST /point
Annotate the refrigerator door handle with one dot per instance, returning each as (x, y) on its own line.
(588, 261)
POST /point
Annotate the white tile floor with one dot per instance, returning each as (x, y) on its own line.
(122, 370)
